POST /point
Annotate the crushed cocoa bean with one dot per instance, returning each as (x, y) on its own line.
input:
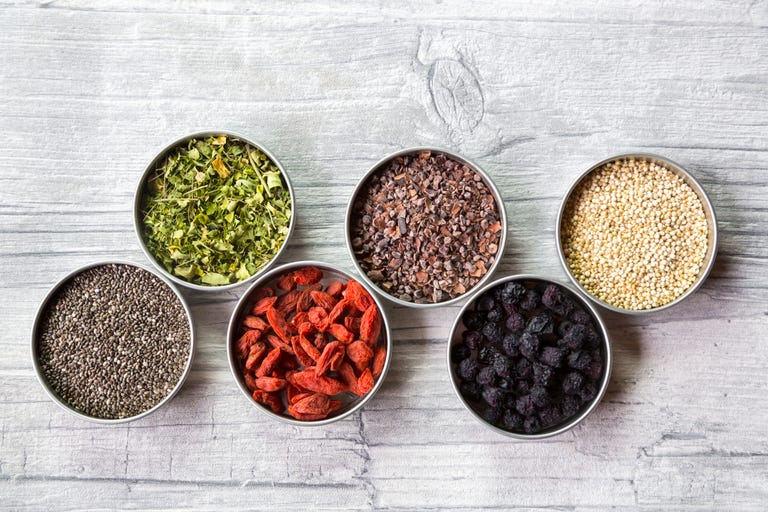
(426, 228)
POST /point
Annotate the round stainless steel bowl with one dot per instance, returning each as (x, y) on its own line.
(138, 224)
(40, 315)
(709, 212)
(602, 384)
(350, 402)
(486, 179)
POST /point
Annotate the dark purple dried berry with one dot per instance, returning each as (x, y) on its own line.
(594, 370)
(554, 298)
(588, 392)
(510, 344)
(493, 332)
(512, 292)
(495, 315)
(570, 406)
(509, 308)
(485, 376)
(574, 337)
(494, 397)
(579, 360)
(563, 327)
(470, 390)
(572, 383)
(593, 339)
(505, 384)
(530, 301)
(523, 387)
(492, 415)
(552, 356)
(550, 416)
(540, 324)
(524, 369)
(543, 375)
(540, 396)
(502, 366)
(531, 425)
(459, 352)
(512, 421)
(529, 345)
(525, 406)
(486, 354)
(473, 320)
(580, 316)
(473, 339)
(468, 369)
(515, 322)
(485, 303)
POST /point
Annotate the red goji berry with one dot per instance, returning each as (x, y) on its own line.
(263, 305)
(286, 304)
(255, 322)
(245, 341)
(370, 325)
(270, 383)
(286, 282)
(277, 342)
(308, 275)
(302, 356)
(309, 348)
(269, 363)
(360, 354)
(379, 358)
(317, 405)
(323, 300)
(318, 317)
(347, 374)
(278, 323)
(352, 323)
(365, 381)
(255, 353)
(330, 351)
(270, 399)
(358, 295)
(335, 289)
(310, 381)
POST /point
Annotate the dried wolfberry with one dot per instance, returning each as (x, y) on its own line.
(263, 305)
(278, 323)
(250, 382)
(286, 304)
(245, 342)
(330, 351)
(306, 328)
(323, 300)
(341, 333)
(335, 289)
(360, 354)
(309, 348)
(308, 275)
(302, 356)
(342, 307)
(305, 298)
(358, 295)
(379, 358)
(365, 381)
(352, 323)
(270, 383)
(320, 341)
(286, 282)
(309, 380)
(370, 325)
(269, 363)
(255, 322)
(317, 405)
(276, 341)
(318, 317)
(255, 353)
(347, 374)
(270, 399)
(299, 318)
(260, 293)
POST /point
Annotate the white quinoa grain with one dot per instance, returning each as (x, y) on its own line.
(634, 234)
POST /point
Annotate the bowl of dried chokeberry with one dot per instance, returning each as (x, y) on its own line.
(425, 227)
(529, 357)
(308, 344)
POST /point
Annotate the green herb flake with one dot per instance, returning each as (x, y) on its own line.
(215, 211)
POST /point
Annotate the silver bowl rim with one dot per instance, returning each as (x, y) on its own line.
(137, 223)
(709, 212)
(39, 317)
(607, 359)
(232, 333)
(455, 156)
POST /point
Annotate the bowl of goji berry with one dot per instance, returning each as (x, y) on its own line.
(308, 344)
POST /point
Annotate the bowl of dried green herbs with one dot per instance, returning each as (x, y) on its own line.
(214, 210)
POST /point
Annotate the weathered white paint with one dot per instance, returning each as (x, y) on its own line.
(532, 91)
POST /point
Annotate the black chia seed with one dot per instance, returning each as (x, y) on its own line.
(426, 228)
(113, 341)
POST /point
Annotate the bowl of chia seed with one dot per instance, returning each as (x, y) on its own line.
(213, 210)
(112, 342)
(425, 226)
(308, 344)
(637, 233)
(529, 357)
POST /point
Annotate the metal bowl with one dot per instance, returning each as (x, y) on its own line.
(138, 224)
(351, 403)
(456, 337)
(486, 179)
(709, 212)
(39, 316)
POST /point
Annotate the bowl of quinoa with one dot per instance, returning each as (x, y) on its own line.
(425, 227)
(112, 342)
(637, 233)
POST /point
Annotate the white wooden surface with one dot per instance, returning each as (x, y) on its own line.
(532, 91)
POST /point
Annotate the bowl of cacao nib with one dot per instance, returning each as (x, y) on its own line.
(112, 342)
(529, 357)
(308, 344)
(425, 227)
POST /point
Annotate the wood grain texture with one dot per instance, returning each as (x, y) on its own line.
(534, 92)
